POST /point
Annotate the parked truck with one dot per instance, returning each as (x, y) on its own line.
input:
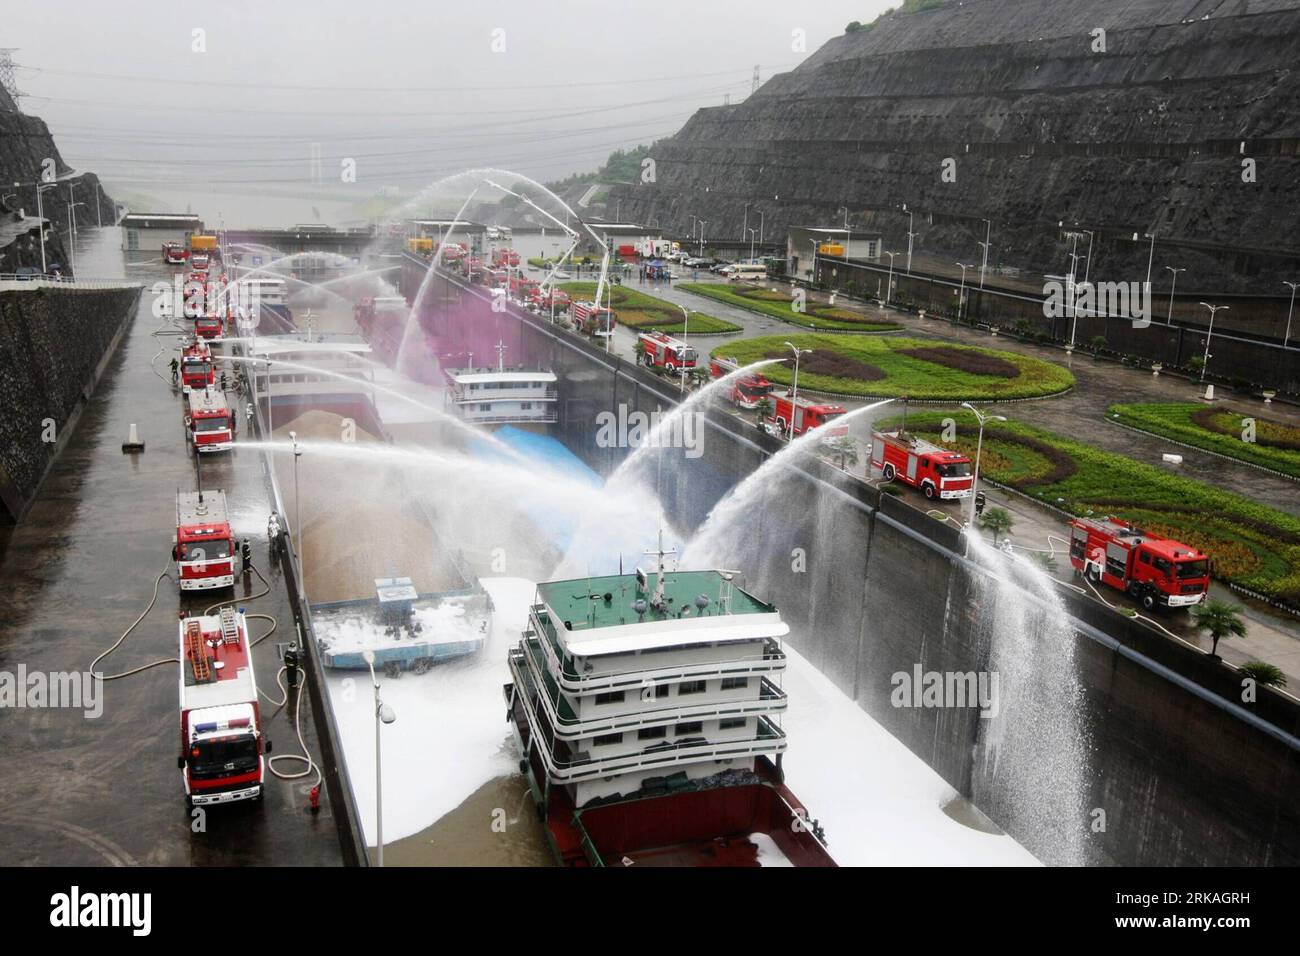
(935, 471)
(209, 421)
(203, 547)
(592, 319)
(1154, 571)
(196, 369)
(663, 353)
(222, 758)
(747, 391)
(806, 415)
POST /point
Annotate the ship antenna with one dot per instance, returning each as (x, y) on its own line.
(658, 599)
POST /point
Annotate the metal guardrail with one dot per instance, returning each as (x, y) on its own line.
(11, 280)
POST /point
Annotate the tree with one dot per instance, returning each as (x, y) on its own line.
(639, 349)
(1098, 343)
(996, 521)
(845, 448)
(763, 410)
(1219, 619)
(1270, 675)
(700, 375)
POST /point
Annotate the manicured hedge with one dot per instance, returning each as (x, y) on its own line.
(835, 358)
(778, 305)
(1250, 544)
(1276, 444)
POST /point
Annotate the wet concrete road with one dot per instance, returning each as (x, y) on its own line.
(77, 572)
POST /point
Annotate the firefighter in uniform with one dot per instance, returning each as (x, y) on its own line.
(273, 533)
(176, 367)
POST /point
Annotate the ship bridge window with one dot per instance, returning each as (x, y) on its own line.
(612, 697)
(731, 723)
(688, 728)
(651, 733)
(691, 687)
(605, 740)
(732, 683)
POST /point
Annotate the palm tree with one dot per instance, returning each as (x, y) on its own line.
(996, 521)
(845, 448)
(1219, 619)
(1270, 675)
(763, 410)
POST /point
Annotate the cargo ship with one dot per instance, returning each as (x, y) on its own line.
(645, 707)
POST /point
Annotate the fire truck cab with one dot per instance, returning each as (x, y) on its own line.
(1152, 570)
(523, 288)
(222, 745)
(543, 301)
(747, 391)
(174, 253)
(505, 257)
(806, 415)
(199, 261)
(197, 370)
(665, 353)
(208, 420)
(938, 472)
(204, 547)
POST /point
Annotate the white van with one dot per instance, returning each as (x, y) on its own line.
(747, 272)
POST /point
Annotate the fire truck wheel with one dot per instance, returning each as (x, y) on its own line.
(1148, 601)
(670, 368)
(888, 472)
(1093, 574)
(929, 490)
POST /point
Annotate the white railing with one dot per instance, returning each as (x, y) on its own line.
(771, 700)
(11, 280)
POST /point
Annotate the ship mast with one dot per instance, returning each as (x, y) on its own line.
(657, 599)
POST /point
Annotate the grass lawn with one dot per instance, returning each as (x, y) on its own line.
(636, 310)
(1250, 544)
(1275, 444)
(889, 366)
(778, 306)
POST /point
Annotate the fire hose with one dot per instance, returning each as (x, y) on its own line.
(305, 756)
(116, 644)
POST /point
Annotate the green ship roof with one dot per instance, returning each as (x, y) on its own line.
(581, 601)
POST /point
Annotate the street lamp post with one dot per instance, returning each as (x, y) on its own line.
(72, 234)
(1071, 292)
(686, 322)
(760, 225)
(889, 284)
(1151, 256)
(910, 234)
(1214, 309)
(988, 237)
(961, 296)
(979, 447)
(1287, 337)
(297, 509)
(1169, 319)
(383, 715)
(812, 273)
(40, 214)
(703, 223)
(752, 234)
(794, 391)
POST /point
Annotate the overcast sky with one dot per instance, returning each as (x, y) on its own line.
(576, 80)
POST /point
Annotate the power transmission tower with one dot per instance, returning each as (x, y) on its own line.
(7, 79)
(754, 86)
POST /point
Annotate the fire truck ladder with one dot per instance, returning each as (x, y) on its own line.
(197, 652)
(229, 626)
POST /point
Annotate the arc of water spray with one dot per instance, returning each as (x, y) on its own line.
(727, 511)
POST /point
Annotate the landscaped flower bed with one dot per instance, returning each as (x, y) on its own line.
(1250, 544)
(1276, 445)
(636, 310)
(888, 366)
(779, 305)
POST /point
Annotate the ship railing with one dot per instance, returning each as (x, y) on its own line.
(771, 660)
(567, 725)
(462, 393)
(521, 418)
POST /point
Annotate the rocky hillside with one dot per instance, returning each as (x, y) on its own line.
(25, 142)
(1043, 128)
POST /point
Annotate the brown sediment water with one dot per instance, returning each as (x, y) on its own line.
(496, 825)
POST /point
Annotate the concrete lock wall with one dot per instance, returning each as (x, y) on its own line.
(54, 343)
(872, 587)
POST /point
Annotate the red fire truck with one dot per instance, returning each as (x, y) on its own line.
(204, 547)
(807, 416)
(222, 745)
(665, 353)
(174, 254)
(592, 319)
(199, 261)
(1150, 569)
(938, 472)
(494, 278)
(505, 257)
(208, 420)
(209, 326)
(197, 370)
(523, 288)
(543, 301)
(747, 391)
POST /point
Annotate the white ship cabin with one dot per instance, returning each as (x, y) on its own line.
(630, 680)
(504, 395)
(321, 365)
